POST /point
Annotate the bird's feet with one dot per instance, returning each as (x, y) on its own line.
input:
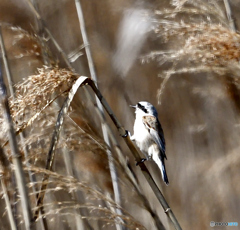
(141, 161)
(127, 133)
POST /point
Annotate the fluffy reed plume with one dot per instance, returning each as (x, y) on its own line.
(203, 40)
(37, 90)
(35, 93)
(205, 45)
(20, 43)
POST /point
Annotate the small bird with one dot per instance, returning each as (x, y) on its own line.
(148, 135)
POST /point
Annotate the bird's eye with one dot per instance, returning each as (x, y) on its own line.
(142, 107)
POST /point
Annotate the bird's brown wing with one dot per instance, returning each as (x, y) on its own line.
(154, 127)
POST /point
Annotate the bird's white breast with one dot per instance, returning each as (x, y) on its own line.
(141, 135)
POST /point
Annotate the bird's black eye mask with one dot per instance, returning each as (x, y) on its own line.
(142, 107)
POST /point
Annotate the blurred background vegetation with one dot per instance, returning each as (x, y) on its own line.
(182, 56)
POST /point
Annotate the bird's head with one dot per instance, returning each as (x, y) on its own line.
(145, 108)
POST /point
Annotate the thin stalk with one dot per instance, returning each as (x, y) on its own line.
(16, 157)
(80, 223)
(12, 220)
(40, 32)
(85, 40)
(229, 15)
(3, 168)
(64, 56)
(43, 24)
(133, 181)
(112, 167)
(5, 62)
(9, 80)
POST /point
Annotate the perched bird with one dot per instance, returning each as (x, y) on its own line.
(148, 135)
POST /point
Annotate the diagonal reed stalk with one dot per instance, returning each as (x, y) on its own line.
(44, 27)
(40, 33)
(16, 157)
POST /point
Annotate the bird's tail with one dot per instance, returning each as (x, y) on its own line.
(161, 165)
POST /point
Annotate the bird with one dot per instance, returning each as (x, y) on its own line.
(148, 135)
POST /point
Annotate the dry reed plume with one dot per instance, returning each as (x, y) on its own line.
(190, 38)
(205, 40)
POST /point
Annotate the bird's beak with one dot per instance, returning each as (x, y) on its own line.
(133, 106)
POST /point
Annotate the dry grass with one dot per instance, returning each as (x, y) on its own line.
(203, 44)
(38, 90)
(204, 38)
(201, 124)
(35, 114)
(97, 211)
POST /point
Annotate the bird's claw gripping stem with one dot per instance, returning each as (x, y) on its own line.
(141, 161)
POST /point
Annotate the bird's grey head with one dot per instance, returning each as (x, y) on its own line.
(146, 108)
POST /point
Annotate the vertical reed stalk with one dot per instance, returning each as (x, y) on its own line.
(16, 157)
(112, 167)
(11, 89)
(3, 169)
(229, 15)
